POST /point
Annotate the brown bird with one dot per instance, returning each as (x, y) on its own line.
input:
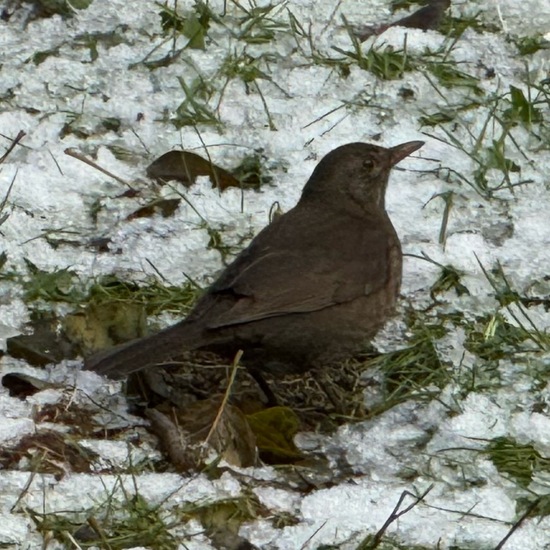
(310, 288)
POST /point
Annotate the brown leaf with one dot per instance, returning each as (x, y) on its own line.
(183, 432)
(166, 207)
(185, 166)
(49, 452)
(44, 345)
(428, 17)
(23, 385)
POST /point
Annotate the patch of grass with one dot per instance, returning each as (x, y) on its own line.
(438, 117)
(385, 62)
(509, 331)
(342, 64)
(305, 45)
(513, 302)
(449, 279)
(247, 68)
(64, 286)
(251, 172)
(449, 76)
(522, 109)
(454, 27)
(491, 146)
(528, 45)
(506, 334)
(415, 372)
(114, 525)
(51, 286)
(494, 145)
(154, 296)
(516, 460)
(193, 25)
(38, 58)
(222, 519)
(216, 241)
(492, 338)
(258, 24)
(125, 519)
(83, 125)
(194, 109)
(386, 543)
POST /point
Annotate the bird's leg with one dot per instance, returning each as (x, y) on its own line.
(264, 386)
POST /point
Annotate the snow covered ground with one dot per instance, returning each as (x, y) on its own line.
(313, 108)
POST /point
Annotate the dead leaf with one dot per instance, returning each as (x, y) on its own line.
(49, 452)
(44, 345)
(275, 429)
(165, 207)
(428, 17)
(23, 385)
(185, 166)
(183, 432)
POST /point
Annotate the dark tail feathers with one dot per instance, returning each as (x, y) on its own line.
(135, 355)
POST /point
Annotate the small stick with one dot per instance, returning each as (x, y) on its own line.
(518, 524)
(14, 142)
(226, 396)
(82, 158)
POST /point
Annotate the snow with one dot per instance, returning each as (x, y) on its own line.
(408, 448)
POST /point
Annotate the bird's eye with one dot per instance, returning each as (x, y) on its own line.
(368, 164)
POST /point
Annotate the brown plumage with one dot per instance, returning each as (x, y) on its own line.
(310, 288)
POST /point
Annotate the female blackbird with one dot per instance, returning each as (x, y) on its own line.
(309, 289)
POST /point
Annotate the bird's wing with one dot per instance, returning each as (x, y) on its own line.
(276, 276)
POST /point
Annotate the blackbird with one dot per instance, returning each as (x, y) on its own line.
(309, 289)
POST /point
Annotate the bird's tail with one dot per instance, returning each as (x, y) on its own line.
(156, 349)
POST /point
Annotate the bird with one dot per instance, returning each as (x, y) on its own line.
(309, 290)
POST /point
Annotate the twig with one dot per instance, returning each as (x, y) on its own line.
(517, 525)
(216, 181)
(6, 196)
(24, 491)
(82, 158)
(226, 396)
(161, 276)
(72, 539)
(395, 515)
(312, 535)
(14, 142)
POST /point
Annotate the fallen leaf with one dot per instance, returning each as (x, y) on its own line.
(165, 207)
(185, 166)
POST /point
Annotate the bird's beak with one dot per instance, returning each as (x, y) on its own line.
(399, 152)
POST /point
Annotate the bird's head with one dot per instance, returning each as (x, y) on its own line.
(356, 172)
